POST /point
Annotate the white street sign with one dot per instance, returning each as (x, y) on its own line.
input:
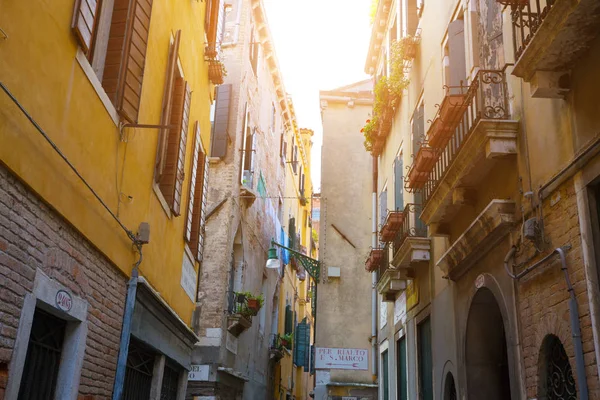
(334, 358)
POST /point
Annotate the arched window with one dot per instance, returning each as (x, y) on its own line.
(450, 388)
(556, 376)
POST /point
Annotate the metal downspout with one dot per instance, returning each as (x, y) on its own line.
(126, 330)
(573, 312)
(374, 274)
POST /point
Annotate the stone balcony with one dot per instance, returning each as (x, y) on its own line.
(549, 37)
(410, 248)
(494, 222)
(483, 138)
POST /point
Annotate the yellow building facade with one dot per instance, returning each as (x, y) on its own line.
(292, 374)
(120, 90)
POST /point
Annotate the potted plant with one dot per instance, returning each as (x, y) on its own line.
(255, 303)
(286, 340)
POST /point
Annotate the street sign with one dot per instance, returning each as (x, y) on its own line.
(335, 358)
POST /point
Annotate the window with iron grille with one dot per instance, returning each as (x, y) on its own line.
(40, 371)
(138, 373)
(169, 383)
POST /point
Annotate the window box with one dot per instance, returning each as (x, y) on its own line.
(392, 225)
(374, 260)
(416, 179)
(439, 134)
(453, 107)
(425, 159)
(216, 71)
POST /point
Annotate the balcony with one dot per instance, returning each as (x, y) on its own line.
(391, 226)
(484, 233)
(240, 316)
(549, 36)
(410, 247)
(374, 260)
(483, 138)
(276, 351)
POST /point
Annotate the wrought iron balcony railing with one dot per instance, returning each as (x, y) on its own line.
(527, 16)
(486, 98)
(384, 264)
(412, 226)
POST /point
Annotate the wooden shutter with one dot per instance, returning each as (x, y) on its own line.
(84, 22)
(306, 364)
(212, 26)
(203, 206)
(126, 56)
(281, 145)
(171, 182)
(289, 319)
(383, 206)
(167, 105)
(401, 370)
(292, 232)
(196, 154)
(456, 50)
(425, 360)
(398, 184)
(221, 124)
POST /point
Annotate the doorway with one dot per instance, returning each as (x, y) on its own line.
(486, 350)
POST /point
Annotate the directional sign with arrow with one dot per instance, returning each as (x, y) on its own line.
(339, 358)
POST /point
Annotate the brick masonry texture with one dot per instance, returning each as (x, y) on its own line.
(33, 236)
(543, 298)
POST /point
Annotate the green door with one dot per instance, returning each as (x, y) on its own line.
(402, 379)
(384, 375)
(425, 360)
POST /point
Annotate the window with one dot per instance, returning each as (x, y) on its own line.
(248, 149)
(418, 135)
(289, 320)
(254, 47)
(413, 12)
(172, 143)
(220, 127)
(196, 211)
(295, 159)
(455, 70)
(170, 382)
(138, 371)
(383, 206)
(282, 147)
(40, 372)
(273, 117)
(401, 370)
(214, 22)
(398, 184)
(114, 35)
(425, 360)
(385, 378)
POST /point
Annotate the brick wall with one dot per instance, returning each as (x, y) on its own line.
(33, 236)
(543, 297)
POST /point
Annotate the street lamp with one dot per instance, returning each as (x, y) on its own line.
(312, 266)
(272, 261)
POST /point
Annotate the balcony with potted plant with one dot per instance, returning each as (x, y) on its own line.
(423, 164)
(240, 316)
(474, 137)
(549, 37)
(276, 346)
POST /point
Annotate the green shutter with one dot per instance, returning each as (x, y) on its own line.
(302, 345)
(402, 379)
(384, 372)
(307, 349)
(398, 184)
(425, 360)
(289, 319)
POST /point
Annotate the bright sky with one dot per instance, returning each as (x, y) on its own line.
(321, 45)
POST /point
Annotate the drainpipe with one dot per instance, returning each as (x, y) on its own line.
(573, 311)
(126, 330)
(374, 274)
